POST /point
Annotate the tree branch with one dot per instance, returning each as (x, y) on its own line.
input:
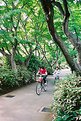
(3, 52)
(59, 6)
(70, 35)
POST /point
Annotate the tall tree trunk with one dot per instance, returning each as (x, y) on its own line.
(13, 64)
(10, 58)
(49, 12)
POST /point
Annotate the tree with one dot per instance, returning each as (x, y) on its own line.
(14, 31)
(22, 32)
(48, 7)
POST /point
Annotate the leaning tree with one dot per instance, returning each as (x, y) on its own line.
(62, 5)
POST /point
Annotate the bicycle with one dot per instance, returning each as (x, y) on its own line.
(57, 77)
(40, 85)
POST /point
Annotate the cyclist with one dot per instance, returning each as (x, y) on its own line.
(56, 73)
(42, 71)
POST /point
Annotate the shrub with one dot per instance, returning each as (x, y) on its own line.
(67, 99)
(24, 76)
(10, 80)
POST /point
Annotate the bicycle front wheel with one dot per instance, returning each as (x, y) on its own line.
(38, 88)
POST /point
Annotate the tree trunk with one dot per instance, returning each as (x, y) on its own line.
(13, 64)
(28, 58)
(79, 57)
(49, 12)
(74, 40)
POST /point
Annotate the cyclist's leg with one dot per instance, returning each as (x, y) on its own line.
(45, 81)
(44, 78)
(44, 85)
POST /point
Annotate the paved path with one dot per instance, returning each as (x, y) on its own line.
(63, 73)
(26, 105)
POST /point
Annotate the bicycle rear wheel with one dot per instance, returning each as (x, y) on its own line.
(38, 88)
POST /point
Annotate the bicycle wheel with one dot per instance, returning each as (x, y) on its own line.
(38, 88)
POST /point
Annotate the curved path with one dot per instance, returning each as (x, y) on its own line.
(24, 105)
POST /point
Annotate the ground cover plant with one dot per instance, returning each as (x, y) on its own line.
(67, 99)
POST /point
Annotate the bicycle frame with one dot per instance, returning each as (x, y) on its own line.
(40, 85)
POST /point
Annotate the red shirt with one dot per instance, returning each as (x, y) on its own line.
(42, 71)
